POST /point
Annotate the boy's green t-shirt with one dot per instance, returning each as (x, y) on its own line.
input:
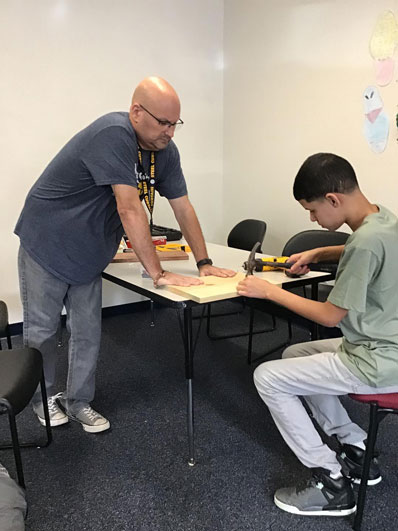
(367, 285)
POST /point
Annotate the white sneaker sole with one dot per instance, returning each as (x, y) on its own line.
(375, 481)
(296, 510)
(95, 429)
(54, 423)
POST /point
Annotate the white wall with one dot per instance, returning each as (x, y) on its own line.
(295, 71)
(66, 62)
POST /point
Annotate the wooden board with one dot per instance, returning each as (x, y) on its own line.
(213, 289)
(162, 255)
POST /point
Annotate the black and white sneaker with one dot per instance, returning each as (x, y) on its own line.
(320, 495)
(352, 458)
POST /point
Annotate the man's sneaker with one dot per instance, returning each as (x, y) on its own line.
(321, 495)
(352, 458)
(90, 419)
(57, 416)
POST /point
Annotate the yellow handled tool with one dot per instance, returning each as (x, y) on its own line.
(270, 263)
(174, 247)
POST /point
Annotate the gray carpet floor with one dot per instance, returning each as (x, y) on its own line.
(135, 476)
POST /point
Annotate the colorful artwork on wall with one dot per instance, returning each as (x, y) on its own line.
(377, 124)
(383, 45)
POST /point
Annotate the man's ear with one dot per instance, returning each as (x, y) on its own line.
(134, 112)
(333, 199)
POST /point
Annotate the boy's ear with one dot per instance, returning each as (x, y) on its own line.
(333, 199)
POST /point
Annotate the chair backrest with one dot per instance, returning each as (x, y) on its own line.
(4, 326)
(310, 239)
(246, 233)
(21, 371)
(3, 319)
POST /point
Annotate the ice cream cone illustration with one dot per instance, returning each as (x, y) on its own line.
(376, 126)
(383, 45)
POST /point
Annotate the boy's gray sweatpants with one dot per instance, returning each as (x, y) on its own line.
(12, 505)
(314, 371)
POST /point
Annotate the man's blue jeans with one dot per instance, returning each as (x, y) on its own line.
(43, 297)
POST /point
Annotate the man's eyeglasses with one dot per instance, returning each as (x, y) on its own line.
(164, 123)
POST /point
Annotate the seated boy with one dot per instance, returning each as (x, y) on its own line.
(364, 304)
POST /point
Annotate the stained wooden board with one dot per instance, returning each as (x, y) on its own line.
(213, 289)
(163, 256)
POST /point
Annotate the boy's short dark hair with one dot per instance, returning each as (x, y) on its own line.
(321, 174)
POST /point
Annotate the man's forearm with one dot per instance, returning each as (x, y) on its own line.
(135, 224)
(192, 232)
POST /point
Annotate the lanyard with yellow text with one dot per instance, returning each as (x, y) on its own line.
(147, 192)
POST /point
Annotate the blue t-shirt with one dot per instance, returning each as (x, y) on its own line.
(69, 223)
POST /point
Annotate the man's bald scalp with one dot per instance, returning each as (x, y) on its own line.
(151, 89)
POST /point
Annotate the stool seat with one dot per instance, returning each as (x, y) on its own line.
(387, 400)
(20, 373)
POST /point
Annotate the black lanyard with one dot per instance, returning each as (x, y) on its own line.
(147, 192)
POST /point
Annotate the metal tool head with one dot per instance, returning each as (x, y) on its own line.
(251, 262)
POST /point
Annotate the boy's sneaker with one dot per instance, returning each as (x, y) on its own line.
(320, 495)
(352, 458)
(57, 416)
(90, 419)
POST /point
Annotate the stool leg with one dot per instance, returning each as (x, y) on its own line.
(15, 445)
(372, 435)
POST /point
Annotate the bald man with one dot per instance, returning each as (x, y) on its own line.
(71, 225)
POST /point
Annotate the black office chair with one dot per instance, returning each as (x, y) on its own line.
(303, 241)
(311, 239)
(244, 236)
(21, 372)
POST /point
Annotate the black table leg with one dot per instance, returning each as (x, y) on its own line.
(188, 348)
(152, 313)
